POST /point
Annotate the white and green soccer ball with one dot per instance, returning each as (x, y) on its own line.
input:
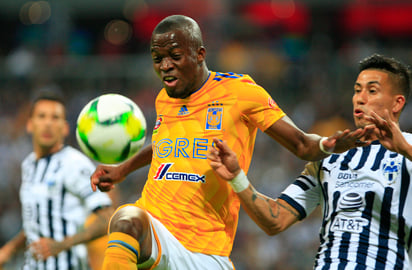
(111, 128)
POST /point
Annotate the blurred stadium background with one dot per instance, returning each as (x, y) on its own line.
(305, 53)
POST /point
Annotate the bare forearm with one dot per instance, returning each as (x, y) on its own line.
(270, 215)
(141, 159)
(402, 147)
(97, 228)
(309, 148)
(303, 145)
(10, 248)
(19, 241)
(408, 153)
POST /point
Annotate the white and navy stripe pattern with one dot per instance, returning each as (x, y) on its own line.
(56, 199)
(366, 194)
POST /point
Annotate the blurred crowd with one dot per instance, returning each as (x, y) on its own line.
(305, 56)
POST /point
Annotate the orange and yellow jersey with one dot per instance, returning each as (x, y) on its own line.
(182, 191)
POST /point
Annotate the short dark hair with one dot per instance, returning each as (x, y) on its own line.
(400, 71)
(53, 93)
(174, 22)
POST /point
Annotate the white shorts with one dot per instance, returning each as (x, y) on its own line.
(174, 256)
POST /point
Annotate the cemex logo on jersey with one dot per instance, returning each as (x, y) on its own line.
(163, 173)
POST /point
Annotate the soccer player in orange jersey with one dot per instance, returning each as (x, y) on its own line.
(186, 217)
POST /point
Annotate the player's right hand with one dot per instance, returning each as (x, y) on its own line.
(105, 177)
(223, 160)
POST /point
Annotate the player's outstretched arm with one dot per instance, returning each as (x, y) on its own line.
(272, 216)
(106, 176)
(313, 147)
(10, 248)
(46, 247)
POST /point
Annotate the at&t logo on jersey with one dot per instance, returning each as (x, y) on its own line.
(163, 173)
(214, 118)
(348, 217)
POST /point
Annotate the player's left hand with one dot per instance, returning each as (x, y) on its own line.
(44, 248)
(342, 141)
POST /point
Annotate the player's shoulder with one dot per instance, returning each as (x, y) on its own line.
(30, 158)
(408, 136)
(234, 83)
(71, 155)
(231, 78)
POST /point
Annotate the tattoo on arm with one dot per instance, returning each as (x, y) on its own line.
(275, 210)
(288, 208)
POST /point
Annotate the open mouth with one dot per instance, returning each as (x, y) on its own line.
(170, 81)
(358, 112)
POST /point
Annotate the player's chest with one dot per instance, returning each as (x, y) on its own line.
(43, 179)
(198, 118)
(376, 175)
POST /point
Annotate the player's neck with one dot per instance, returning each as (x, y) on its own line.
(42, 151)
(203, 77)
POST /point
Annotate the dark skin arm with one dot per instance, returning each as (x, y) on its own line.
(46, 247)
(306, 146)
(272, 216)
(106, 176)
(284, 131)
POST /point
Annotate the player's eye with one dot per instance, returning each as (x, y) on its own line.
(176, 56)
(156, 59)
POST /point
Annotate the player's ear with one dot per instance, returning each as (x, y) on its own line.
(201, 54)
(66, 129)
(399, 103)
(29, 126)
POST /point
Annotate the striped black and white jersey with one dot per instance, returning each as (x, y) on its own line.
(56, 198)
(367, 200)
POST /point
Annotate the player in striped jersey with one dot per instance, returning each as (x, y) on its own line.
(365, 192)
(55, 195)
(187, 217)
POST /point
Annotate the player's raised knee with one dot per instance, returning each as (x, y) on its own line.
(131, 220)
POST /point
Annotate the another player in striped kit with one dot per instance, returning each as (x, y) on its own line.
(366, 192)
(55, 195)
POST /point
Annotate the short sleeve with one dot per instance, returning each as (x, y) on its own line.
(257, 106)
(305, 193)
(78, 183)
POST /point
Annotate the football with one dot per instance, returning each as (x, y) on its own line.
(110, 128)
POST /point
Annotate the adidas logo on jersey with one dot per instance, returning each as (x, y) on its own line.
(183, 110)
